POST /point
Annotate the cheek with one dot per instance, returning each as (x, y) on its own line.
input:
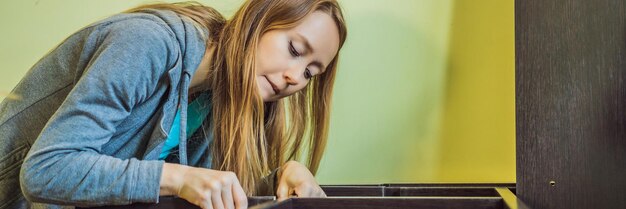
(270, 58)
(294, 89)
(261, 86)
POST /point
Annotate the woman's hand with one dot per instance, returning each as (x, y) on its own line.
(206, 188)
(295, 178)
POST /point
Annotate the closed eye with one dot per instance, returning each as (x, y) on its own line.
(295, 53)
(293, 50)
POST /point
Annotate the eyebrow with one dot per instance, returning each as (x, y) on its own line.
(309, 48)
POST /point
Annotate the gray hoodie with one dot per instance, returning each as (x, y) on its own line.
(95, 112)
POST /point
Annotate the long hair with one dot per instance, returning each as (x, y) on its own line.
(251, 138)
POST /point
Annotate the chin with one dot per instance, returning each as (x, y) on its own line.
(269, 99)
(265, 96)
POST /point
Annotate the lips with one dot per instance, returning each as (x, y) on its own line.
(276, 90)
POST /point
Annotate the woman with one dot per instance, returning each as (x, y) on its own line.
(104, 118)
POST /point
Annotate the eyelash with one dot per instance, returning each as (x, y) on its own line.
(295, 53)
(293, 50)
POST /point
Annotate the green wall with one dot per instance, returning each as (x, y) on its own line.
(425, 91)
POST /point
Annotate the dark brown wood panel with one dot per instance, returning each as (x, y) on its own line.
(451, 185)
(440, 192)
(571, 103)
(171, 202)
(405, 202)
(361, 191)
(418, 189)
(479, 196)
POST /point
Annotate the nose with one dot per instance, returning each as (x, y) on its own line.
(291, 80)
(294, 76)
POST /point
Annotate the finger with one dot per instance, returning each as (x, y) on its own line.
(307, 189)
(205, 202)
(322, 193)
(205, 205)
(303, 191)
(227, 197)
(241, 200)
(282, 192)
(318, 192)
(216, 198)
(292, 193)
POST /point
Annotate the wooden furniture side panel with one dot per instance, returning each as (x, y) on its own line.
(571, 103)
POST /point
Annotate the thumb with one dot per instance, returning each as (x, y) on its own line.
(282, 192)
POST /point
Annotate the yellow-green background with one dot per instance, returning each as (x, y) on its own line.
(425, 91)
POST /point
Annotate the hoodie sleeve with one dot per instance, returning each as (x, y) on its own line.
(65, 165)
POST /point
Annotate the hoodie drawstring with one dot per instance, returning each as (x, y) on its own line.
(182, 146)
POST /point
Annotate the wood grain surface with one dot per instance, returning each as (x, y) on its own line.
(571, 103)
(459, 196)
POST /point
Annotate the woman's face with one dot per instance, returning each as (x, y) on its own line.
(286, 59)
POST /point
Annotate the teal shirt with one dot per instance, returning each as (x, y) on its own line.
(197, 111)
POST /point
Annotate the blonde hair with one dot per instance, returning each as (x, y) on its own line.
(252, 138)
